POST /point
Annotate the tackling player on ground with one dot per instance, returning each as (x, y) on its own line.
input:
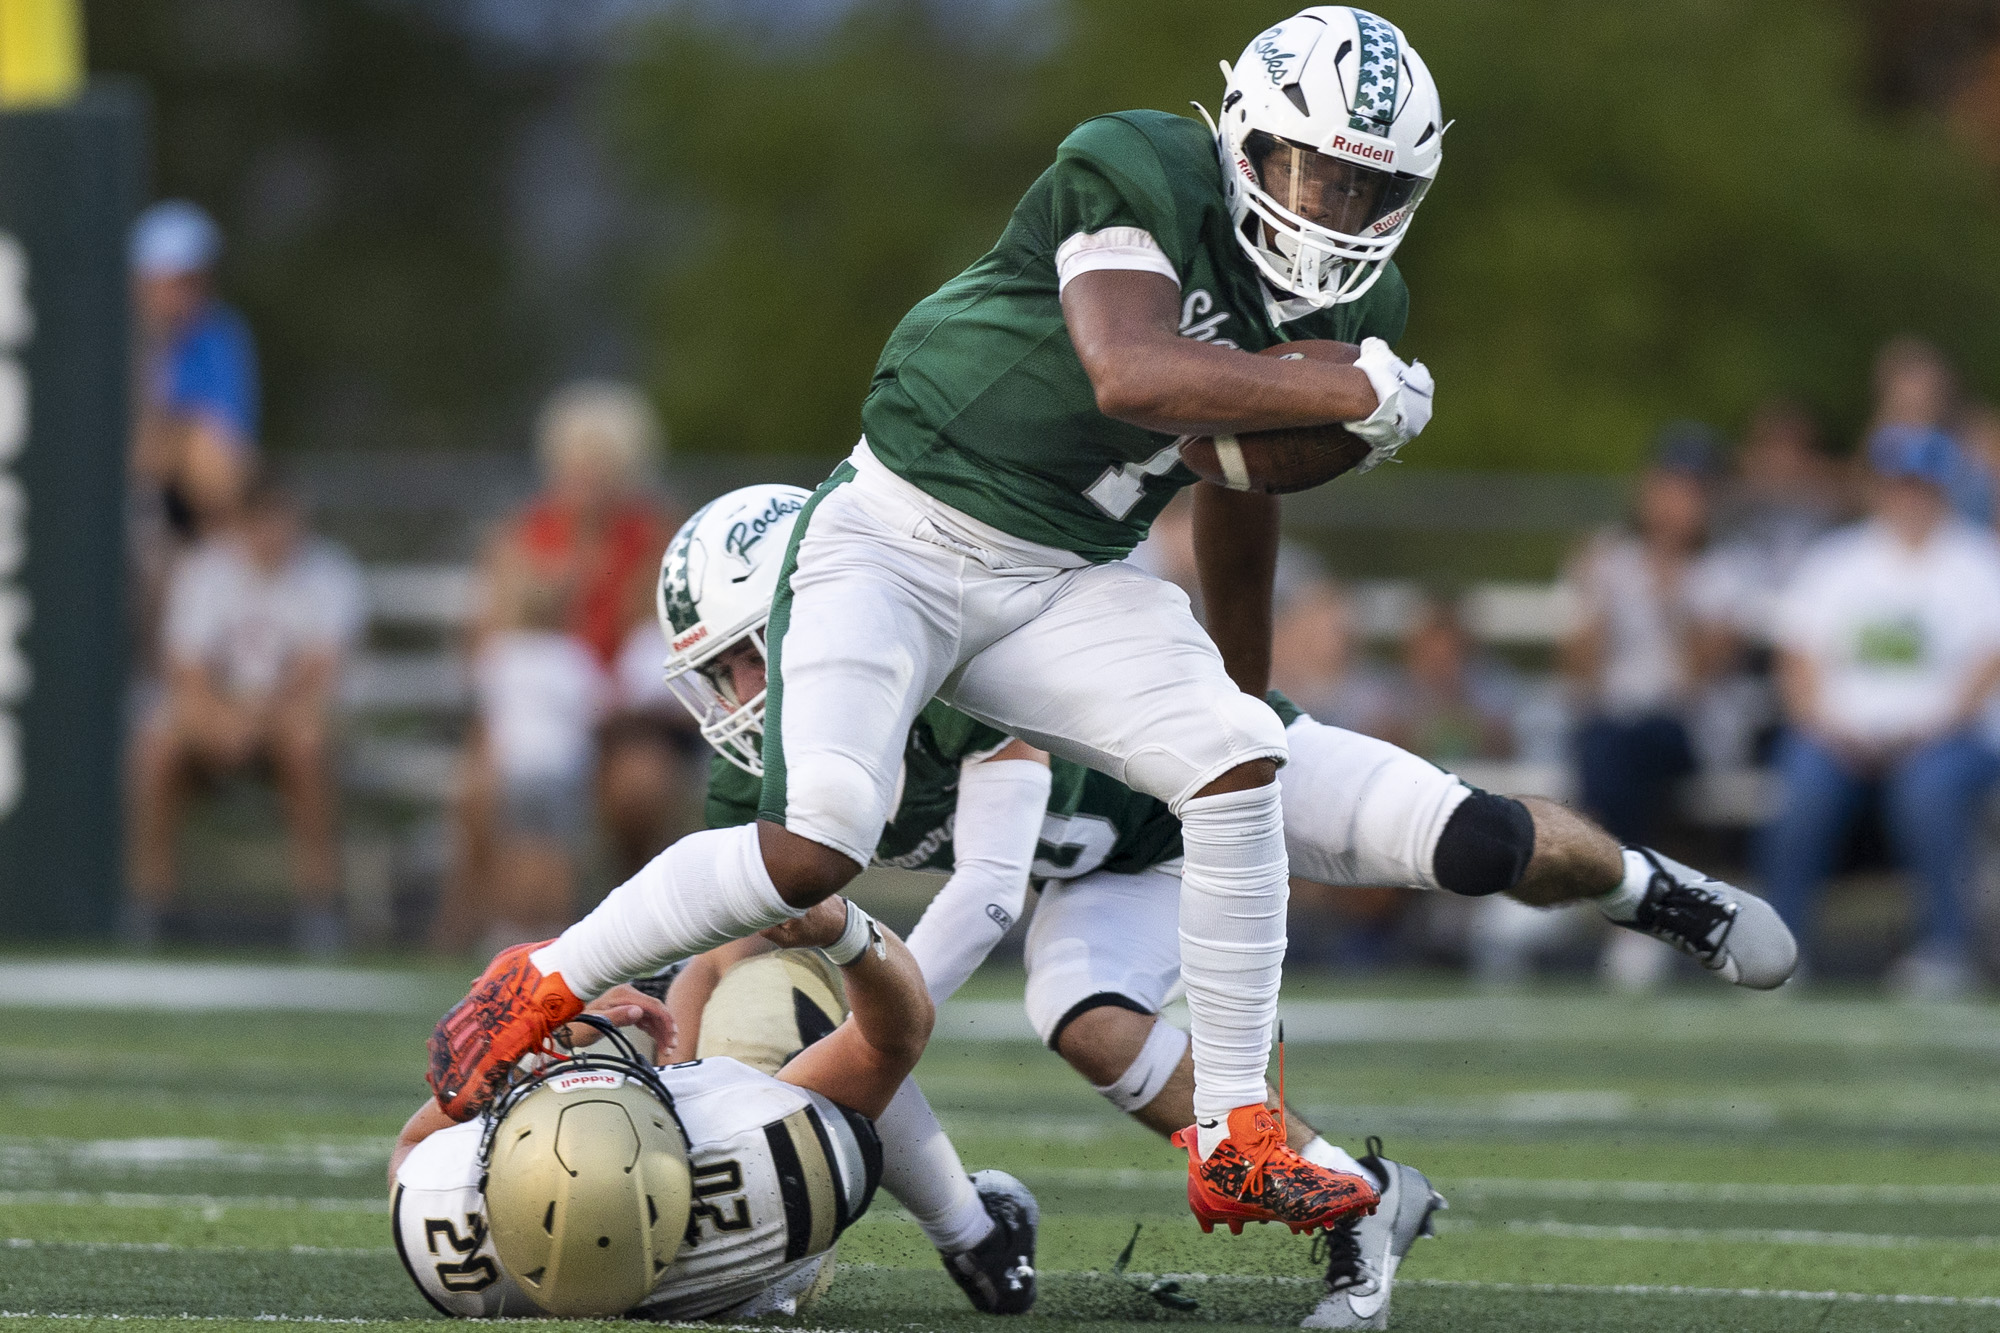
(1020, 436)
(715, 1186)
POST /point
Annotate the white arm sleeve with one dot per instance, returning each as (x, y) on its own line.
(997, 824)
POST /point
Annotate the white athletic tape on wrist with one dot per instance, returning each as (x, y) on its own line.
(1229, 457)
(861, 935)
(1150, 1069)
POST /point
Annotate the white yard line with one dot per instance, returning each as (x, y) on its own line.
(426, 1321)
(332, 1157)
(96, 983)
(1859, 1240)
(1690, 1191)
(1739, 1293)
(1528, 1019)
(211, 1204)
(168, 1247)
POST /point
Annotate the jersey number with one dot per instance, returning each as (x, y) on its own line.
(471, 1272)
(713, 1181)
(1071, 846)
(1124, 486)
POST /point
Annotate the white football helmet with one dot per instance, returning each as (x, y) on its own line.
(716, 583)
(1330, 135)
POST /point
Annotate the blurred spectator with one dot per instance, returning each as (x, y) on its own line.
(196, 441)
(194, 437)
(591, 542)
(1979, 435)
(1787, 492)
(1315, 659)
(1452, 702)
(1914, 385)
(540, 694)
(654, 765)
(259, 620)
(1644, 642)
(1889, 644)
(596, 531)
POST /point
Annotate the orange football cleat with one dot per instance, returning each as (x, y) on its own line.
(512, 1009)
(1253, 1177)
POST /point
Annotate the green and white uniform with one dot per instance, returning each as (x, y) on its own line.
(969, 551)
(979, 397)
(963, 550)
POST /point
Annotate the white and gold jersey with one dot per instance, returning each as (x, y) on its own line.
(779, 1173)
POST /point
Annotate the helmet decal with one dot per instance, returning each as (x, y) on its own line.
(1278, 62)
(1375, 85)
(746, 533)
(677, 580)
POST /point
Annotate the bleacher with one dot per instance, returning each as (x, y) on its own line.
(417, 522)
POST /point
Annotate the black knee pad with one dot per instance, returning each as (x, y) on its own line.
(1485, 846)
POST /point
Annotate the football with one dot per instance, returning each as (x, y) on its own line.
(1280, 461)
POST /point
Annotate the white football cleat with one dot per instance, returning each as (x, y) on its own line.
(1364, 1252)
(1736, 935)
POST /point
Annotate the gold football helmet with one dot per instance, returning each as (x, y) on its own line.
(587, 1180)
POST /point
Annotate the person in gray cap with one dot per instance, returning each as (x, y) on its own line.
(196, 440)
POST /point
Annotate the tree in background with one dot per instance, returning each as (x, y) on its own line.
(357, 155)
(1646, 211)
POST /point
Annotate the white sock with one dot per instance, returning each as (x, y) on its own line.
(921, 1171)
(707, 889)
(1232, 922)
(1622, 902)
(1335, 1158)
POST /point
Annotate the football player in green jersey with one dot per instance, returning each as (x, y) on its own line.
(1102, 958)
(1019, 438)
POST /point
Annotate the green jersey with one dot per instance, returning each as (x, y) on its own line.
(1093, 822)
(979, 398)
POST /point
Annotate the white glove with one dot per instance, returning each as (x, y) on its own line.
(1405, 392)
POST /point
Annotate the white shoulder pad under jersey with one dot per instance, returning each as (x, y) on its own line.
(779, 1173)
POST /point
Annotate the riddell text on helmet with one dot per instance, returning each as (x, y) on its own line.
(1371, 150)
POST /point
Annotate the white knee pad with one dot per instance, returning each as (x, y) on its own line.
(1150, 1069)
(836, 801)
(1102, 935)
(1246, 730)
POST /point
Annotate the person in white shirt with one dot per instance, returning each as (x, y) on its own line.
(258, 622)
(1888, 649)
(1643, 647)
(540, 694)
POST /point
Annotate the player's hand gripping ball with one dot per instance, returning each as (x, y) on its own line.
(1279, 461)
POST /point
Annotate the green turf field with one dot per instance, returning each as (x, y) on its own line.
(1705, 1161)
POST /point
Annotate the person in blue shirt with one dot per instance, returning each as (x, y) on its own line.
(196, 440)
